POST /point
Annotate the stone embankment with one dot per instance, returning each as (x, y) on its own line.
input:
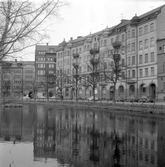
(151, 108)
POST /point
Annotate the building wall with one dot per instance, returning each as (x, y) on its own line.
(161, 69)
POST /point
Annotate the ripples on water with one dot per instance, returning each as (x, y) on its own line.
(48, 136)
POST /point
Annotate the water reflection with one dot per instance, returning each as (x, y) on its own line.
(50, 136)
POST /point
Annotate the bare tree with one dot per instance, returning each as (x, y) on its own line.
(92, 78)
(22, 23)
(113, 71)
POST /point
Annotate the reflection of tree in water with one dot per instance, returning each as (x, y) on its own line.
(116, 141)
(94, 147)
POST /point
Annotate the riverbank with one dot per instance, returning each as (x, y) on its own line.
(157, 108)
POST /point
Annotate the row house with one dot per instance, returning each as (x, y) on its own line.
(138, 56)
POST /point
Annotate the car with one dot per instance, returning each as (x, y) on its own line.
(120, 99)
(26, 97)
(132, 98)
(91, 98)
(145, 99)
(53, 97)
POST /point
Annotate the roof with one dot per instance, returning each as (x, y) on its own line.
(152, 11)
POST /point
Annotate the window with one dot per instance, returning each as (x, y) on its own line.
(88, 47)
(152, 42)
(146, 29)
(122, 38)
(51, 65)
(84, 48)
(129, 74)
(105, 42)
(133, 73)
(129, 60)
(164, 86)
(146, 58)
(95, 45)
(140, 31)
(133, 33)
(41, 72)
(128, 49)
(146, 44)
(140, 59)
(152, 56)
(140, 45)
(123, 62)
(152, 71)
(123, 74)
(111, 40)
(164, 66)
(133, 60)
(133, 46)
(140, 72)
(128, 35)
(151, 27)
(146, 72)
(163, 48)
(79, 50)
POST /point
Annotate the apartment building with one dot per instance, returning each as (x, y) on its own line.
(17, 78)
(161, 68)
(138, 55)
(45, 69)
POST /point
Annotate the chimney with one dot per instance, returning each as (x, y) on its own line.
(15, 60)
(71, 38)
(47, 43)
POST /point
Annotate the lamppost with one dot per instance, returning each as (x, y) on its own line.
(94, 61)
(116, 69)
(76, 74)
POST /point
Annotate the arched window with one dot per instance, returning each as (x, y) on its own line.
(103, 91)
(132, 90)
(87, 92)
(121, 90)
(142, 89)
(67, 92)
(80, 91)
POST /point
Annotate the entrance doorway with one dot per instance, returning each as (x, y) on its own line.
(152, 91)
(111, 93)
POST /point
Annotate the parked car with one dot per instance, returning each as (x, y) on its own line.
(132, 98)
(146, 99)
(26, 97)
(91, 98)
(120, 99)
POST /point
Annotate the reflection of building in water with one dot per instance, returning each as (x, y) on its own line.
(44, 133)
(140, 141)
(161, 144)
(13, 125)
(11, 122)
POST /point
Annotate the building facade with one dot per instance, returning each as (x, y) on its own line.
(138, 56)
(161, 68)
(45, 70)
(17, 78)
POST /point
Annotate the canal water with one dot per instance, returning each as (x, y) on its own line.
(50, 136)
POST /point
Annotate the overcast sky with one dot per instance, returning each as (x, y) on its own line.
(85, 16)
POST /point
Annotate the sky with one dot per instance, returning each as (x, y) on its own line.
(84, 16)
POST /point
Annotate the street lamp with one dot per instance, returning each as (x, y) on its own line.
(76, 75)
(116, 69)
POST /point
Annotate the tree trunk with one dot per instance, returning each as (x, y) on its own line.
(93, 94)
(114, 96)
